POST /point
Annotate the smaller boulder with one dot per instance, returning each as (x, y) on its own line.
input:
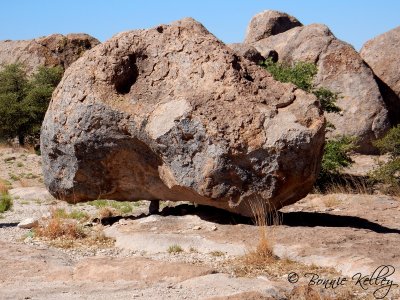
(247, 51)
(28, 223)
(268, 23)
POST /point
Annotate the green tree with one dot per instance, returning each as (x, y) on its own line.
(24, 101)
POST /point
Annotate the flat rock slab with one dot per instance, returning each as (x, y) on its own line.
(30, 193)
(41, 273)
(351, 233)
(155, 234)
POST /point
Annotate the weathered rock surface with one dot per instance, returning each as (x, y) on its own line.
(247, 51)
(382, 54)
(340, 69)
(268, 23)
(172, 113)
(52, 50)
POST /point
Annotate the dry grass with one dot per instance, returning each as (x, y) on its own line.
(346, 184)
(25, 182)
(174, 249)
(65, 230)
(56, 227)
(4, 186)
(105, 212)
(331, 201)
(264, 217)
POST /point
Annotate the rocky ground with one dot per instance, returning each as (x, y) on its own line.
(197, 252)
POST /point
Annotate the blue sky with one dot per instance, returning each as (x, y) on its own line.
(354, 21)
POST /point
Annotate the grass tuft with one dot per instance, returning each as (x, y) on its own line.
(174, 249)
(75, 214)
(121, 207)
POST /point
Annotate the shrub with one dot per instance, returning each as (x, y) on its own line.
(5, 202)
(390, 143)
(328, 99)
(59, 225)
(59, 228)
(335, 158)
(389, 173)
(24, 101)
(302, 74)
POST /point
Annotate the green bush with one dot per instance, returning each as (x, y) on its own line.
(5, 202)
(302, 74)
(24, 100)
(335, 158)
(390, 143)
(389, 173)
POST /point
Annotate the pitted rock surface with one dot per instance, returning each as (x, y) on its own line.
(172, 113)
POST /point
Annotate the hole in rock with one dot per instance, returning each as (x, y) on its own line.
(125, 74)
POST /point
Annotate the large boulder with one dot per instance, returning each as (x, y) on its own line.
(52, 50)
(382, 54)
(268, 23)
(341, 69)
(172, 113)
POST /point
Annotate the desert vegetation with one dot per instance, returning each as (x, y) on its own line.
(388, 174)
(24, 100)
(302, 75)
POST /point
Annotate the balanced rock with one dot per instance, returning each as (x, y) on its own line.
(364, 114)
(171, 113)
(382, 54)
(268, 23)
(52, 50)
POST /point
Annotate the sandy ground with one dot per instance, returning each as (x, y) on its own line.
(331, 236)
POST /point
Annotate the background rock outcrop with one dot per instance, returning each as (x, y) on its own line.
(52, 50)
(340, 69)
(268, 23)
(172, 113)
(248, 52)
(382, 54)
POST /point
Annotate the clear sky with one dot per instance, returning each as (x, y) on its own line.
(354, 21)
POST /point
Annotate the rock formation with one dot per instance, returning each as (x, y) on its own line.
(52, 50)
(268, 23)
(172, 113)
(248, 52)
(382, 54)
(340, 69)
